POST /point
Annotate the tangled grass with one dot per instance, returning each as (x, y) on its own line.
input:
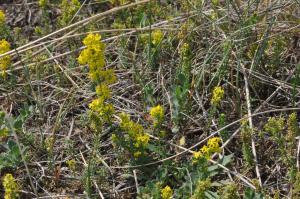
(150, 99)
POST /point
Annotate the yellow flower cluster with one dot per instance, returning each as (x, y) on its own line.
(202, 186)
(157, 115)
(103, 91)
(10, 186)
(184, 50)
(2, 17)
(102, 109)
(217, 96)
(71, 164)
(93, 56)
(3, 132)
(136, 134)
(157, 37)
(68, 9)
(166, 193)
(4, 61)
(49, 143)
(213, 146)
(43, 3)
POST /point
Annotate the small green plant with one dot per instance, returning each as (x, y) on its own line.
(275, 126)
(286, 143)
(11, 157)
(222, 122)
(4, 29)
(246, 146)
(230, 191)
(296, 186)
(69, 8)
(201, 188)
(182, 85)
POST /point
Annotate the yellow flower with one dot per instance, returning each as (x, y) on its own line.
(205, 150)
(125, 120)
(137, 154)
(2, 17)
(157, 115)
(4, 46)
(166, 193)
(213, 146)
(135, 131)
(141, 140)
(157, 37)
(217, 96)
(10, 186)
(103, 110)
(107, 112)
(93, 56)
(49, 143)
(71, 164)
(198, 155)
(114, 137)
(43, 3)
(96, 104)
(93, 41)
(107, 76)
(4, 132)
(103, 91)
(202, 186)
(4, 61)
(83, 57)
(184, 49)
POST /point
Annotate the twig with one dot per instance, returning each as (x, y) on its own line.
(136, 181)
(298, 154)
(251, 127)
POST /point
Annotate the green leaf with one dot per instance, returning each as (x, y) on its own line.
(226, 159)
(251, 194)
(211, 195)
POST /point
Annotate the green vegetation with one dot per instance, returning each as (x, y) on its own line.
(149, 99)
